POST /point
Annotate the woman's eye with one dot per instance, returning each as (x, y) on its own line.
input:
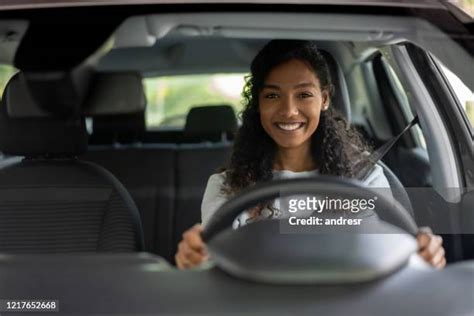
(305, 95)
(271, 96)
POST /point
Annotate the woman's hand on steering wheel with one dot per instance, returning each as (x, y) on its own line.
(430, 248)
(192, 250)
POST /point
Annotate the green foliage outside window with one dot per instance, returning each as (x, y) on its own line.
(170, 98)
(6, 72)
(466, 5)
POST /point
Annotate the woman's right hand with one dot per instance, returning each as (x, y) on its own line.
(192, 250)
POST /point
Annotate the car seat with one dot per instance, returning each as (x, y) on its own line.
(51, 202)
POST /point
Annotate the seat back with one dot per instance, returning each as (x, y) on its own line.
(212, 123)
(148, 173)
(49, 200)
(196, 162)
(65, 206)
(146, 170)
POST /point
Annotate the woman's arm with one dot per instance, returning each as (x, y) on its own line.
(213, 197)
(192, 249)
(377, 179)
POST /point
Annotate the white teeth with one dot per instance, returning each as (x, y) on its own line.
(289, 126)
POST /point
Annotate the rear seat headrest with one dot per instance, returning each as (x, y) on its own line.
(209, 123)
(39, 136)
(124, 93)
(340, 99)
(115, 93)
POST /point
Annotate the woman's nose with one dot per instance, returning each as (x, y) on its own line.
(288, 107)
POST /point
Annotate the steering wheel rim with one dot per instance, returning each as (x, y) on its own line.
(388, 210)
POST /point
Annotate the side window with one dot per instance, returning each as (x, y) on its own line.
(6, 72)
(466, 5)
(461, 92)
(402, 98)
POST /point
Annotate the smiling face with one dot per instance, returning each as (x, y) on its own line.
(290, 104)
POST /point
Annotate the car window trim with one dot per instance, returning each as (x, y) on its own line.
(447, 172)
(464, 141)
(389, 93)
(452, 95)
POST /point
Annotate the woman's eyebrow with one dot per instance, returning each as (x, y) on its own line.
(299, 85)
(271, 86)
(305, 85)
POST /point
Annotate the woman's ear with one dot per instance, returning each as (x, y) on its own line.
(326, 100)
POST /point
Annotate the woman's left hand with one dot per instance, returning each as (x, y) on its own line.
(430, 247)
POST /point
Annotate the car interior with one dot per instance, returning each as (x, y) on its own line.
(143, 184)
(108, 137)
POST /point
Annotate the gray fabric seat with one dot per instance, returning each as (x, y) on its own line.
(146, 170)
(51, 202)
(195, 164)
(148, 173)
(207, 128)
(210, 123)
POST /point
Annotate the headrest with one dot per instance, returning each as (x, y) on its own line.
(38, 136)
(60, 92)
(210, 123)
(340, 99)
(117, 102)
(115, 93)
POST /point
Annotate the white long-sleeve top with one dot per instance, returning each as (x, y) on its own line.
(214, 197)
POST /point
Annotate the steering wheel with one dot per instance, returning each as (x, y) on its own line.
(388, 210)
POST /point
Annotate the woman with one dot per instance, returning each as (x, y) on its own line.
(289, 129)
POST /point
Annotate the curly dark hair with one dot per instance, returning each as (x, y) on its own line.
(337, 148)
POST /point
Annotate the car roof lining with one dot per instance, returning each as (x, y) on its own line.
(366, 32)
(35, 4)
